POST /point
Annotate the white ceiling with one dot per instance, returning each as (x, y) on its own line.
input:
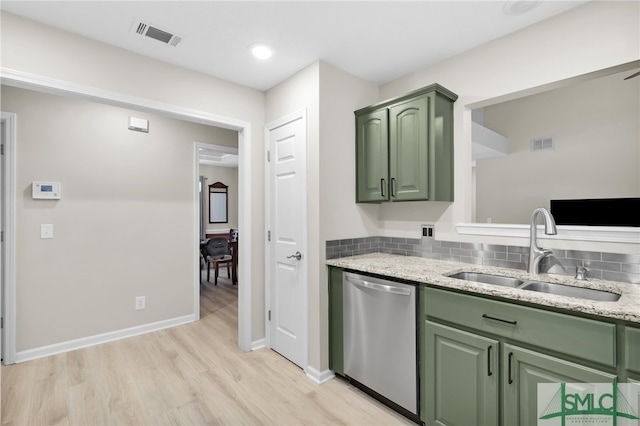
(378, 41)
(219, 156)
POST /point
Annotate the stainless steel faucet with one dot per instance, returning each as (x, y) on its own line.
(581, 273)
(536, 254)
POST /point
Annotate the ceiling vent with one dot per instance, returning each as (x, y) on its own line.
(541, 144)
(156, 33)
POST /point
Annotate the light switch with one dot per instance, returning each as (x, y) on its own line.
(46, 230)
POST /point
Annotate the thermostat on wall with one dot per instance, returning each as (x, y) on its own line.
(46, 190)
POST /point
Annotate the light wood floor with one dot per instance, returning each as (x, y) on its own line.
(188, 375)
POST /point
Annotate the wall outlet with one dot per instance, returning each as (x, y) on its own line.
(140, 302)
(428, 232)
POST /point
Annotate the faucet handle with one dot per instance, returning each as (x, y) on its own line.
(581, 273)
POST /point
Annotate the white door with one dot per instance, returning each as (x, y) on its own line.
(287, 301)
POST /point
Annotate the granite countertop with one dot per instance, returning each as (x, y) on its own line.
(436, 273)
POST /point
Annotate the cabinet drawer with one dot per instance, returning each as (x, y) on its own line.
(632, 349)
(580, 337)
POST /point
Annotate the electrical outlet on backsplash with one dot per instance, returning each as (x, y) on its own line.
(601, 265)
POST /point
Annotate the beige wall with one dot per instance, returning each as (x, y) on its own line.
(121, 228)
(595, 126)
(588, 38)
(37, 49)
(228, 176)
(339, 215)
(340, 95)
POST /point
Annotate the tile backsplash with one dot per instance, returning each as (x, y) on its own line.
(607, 266)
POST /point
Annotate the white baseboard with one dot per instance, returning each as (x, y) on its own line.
(319, 377)
(84, 342)
(258, 344)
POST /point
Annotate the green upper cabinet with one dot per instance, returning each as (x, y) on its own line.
(404, 148)
(408, 157)
(372, 156)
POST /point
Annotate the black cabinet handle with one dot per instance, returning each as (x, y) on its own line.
(393, 185)
(510, 377)
(382, 187)
(499, 319)
(489, 372)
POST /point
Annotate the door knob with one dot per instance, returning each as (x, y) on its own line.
(297, 255)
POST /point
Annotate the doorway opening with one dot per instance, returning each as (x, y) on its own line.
(218, 165)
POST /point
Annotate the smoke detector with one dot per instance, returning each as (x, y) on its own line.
(156, 33)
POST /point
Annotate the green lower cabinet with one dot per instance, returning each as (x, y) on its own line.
(632, 349)
(336, 345)
(470, 379)
(523, 369)
(472, 371)
(460, 386)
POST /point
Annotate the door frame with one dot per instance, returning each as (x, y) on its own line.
(8, 214)
(300, 114)
(43, 84)
(197, 147)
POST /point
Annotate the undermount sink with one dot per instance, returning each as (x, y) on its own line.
(570, 291)
(539, 286)
(488, 279)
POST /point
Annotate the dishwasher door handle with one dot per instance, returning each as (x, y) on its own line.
(379, 287)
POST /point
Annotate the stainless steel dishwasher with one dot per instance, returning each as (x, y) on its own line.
(380, 338)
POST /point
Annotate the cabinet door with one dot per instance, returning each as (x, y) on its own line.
(460, 386)
(336, 344)
(523, 369)
(409, 150)
(372, 157)
(632, 349)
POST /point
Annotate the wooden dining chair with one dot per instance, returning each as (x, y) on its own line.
(233, 243)
(217, 250)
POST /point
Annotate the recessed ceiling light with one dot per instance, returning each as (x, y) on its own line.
(518, 7)
(261, 50)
